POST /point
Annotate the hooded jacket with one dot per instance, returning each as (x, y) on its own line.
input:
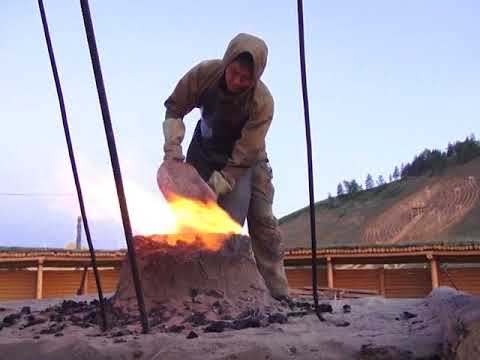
(251, 111)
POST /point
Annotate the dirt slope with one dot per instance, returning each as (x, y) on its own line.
(414, 210)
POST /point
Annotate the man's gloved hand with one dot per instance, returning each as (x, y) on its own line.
(174, 131)
(219, 183)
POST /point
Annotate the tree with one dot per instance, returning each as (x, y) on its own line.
(355, 187)
(396, 173)
(433, 162)
(450, 150)
(438, 162)
(466, 150)
(390, 178)
(369, 183)
(340, 190)
(330, 201)
(351, 187)
(380, 180)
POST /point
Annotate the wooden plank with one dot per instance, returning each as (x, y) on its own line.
(335, 293)
(381, 280)
(39, 292)
(61, 283)
(302, 277)
(363, 259)
(17, 284)
(57, 261)
(357, 279)
(464, 278)
(358, 291)
(82, 289)
(434, 273)
(329, 273)
(407, 283)
(386, 256)
(108, 279)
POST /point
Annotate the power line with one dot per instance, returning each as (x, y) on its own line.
(35, 194)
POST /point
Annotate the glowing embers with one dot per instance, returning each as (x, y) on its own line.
(204, 223)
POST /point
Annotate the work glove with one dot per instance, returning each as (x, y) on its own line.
(173, 131)
(219, 183)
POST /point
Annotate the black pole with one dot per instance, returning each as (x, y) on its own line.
(72, 161)
(301, 40)
(102, 97)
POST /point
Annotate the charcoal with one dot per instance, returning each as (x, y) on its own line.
(53, 329)
(277, 318)
(250, 322)
(325, 308)
(32, 320)
(26, 310)
(192, 335)
(176, 329)
(408, 315)
(215, 327)
(297, 313)
(197, 319)
(11, 319)
(57, 317)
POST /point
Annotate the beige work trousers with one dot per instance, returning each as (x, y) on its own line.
(264, 231)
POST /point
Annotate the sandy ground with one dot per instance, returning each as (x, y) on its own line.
(379, 329)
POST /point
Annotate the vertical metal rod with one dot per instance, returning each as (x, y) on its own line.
(301, 40)
(72, 160)
(102, 97)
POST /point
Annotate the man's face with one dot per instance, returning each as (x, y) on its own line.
(238, 77)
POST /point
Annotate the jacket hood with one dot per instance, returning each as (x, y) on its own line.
(252, 45)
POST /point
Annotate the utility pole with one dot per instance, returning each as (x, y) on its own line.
(78, 240)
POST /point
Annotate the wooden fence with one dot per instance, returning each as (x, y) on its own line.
(391, 283)
(43, 274)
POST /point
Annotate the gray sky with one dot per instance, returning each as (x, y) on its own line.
(386, 80)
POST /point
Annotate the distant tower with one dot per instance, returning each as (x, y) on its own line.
(78, 240)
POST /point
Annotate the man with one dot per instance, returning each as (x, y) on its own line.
(237, 110)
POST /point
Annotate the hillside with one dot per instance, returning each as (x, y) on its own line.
(413, 210)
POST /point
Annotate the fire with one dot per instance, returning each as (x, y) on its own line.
(197, 220)
(171, 218)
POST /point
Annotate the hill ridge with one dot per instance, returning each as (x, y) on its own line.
(413, 210)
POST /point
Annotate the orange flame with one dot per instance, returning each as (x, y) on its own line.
(204, 221)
